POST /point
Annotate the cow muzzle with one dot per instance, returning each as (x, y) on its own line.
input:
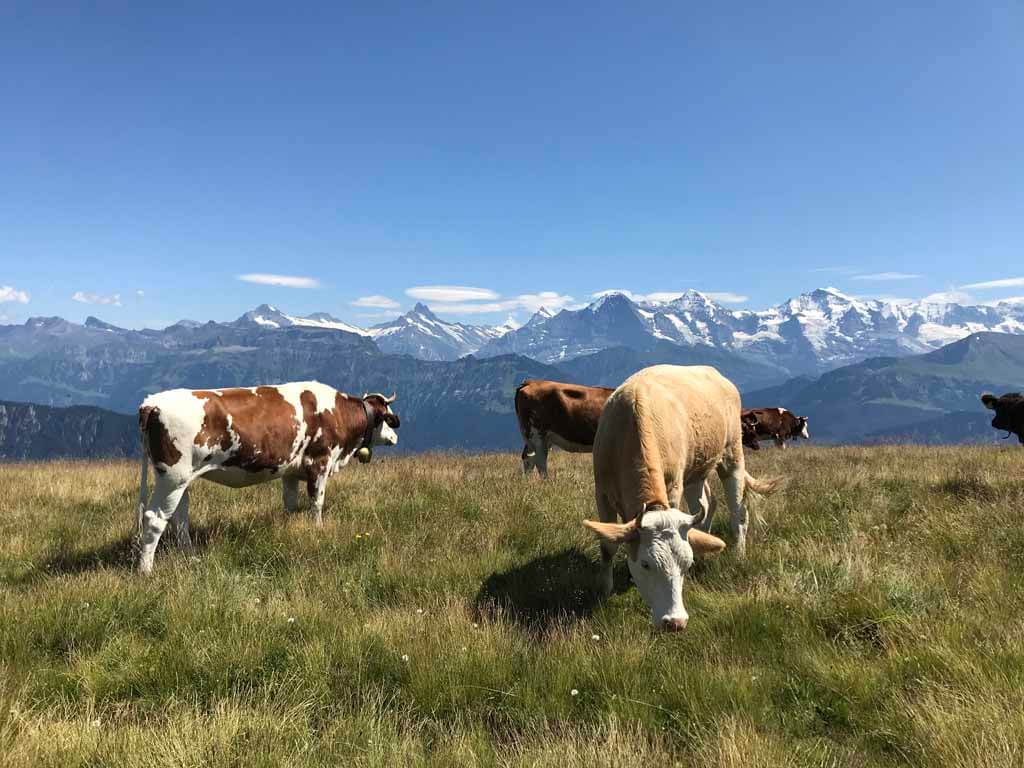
(673, 625)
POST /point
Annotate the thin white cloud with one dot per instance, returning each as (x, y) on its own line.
(954, 296)
(838, 270)
(628, 294)
(529, 302)
(140, 293)
(85, 297)
(1009, 282)
(726, 297)
(375, 302)
(283, 281)
(10, 293)
(659, 297)
(451, 293)
(885, 276)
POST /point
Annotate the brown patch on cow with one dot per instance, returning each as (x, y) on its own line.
(340, 426)
(159, 445)
(571, 411)
(263, 421)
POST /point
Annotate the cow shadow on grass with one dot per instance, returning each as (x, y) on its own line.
(547, 592)
(65, 558)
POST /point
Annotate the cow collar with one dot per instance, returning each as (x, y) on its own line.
(371, 418)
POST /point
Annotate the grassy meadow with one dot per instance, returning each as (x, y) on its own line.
(446, 615)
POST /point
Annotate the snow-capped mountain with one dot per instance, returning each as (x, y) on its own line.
(268, 316)
(424, 335)
(809, 334)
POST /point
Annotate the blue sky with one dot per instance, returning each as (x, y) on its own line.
(534, 155)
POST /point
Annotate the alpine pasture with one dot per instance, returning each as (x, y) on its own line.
(447, 614)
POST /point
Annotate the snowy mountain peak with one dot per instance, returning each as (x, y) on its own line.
(808, 334)
(421, 333)
(269, 316)
(423, 310)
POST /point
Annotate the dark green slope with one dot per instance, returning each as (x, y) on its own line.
(890, 395)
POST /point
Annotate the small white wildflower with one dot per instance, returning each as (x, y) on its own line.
(85, 605)
(419, 611)
(96, 723)
(291, 619)
(574, 692)
(257, 601)
(475, 625)
(464, 648)
(595, 637)
(405, 657)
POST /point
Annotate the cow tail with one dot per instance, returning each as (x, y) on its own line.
(764, 487)
(521, 418)
(145, 414)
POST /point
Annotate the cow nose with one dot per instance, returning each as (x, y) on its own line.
(673, 625)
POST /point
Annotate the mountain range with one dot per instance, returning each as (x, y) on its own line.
(808, 335)
(863, 371)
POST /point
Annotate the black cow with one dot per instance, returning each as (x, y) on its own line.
(1009, 412)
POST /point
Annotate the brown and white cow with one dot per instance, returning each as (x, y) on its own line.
(662, 434)
(778, 424)
(244, 436)
(553, 413)
(1009, 412)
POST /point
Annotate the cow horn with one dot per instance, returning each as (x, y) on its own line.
(390, 400)
(1007, 435)
(688, 520)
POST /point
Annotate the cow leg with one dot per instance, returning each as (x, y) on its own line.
(733, 479)
(540, 446)
(290, 493)
(699, 502)
(167, 492)
(528, 455)
(316, 486)
(180, 521)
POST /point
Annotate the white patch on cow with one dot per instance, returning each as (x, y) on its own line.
(663, 556)
(803, 432)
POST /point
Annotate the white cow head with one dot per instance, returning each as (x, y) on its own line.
(387, 420)
(660, 547)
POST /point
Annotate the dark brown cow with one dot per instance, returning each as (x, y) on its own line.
(778, 424)
(244, 436)
(1009, 412)
(553, 413)
(748, 428)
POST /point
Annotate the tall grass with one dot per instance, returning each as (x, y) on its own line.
(447, 611)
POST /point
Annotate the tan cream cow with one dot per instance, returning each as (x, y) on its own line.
(662, 433)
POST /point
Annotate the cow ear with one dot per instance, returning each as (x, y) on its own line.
(989, 401)
(614, 533)
(704, 543)
(391, 420)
